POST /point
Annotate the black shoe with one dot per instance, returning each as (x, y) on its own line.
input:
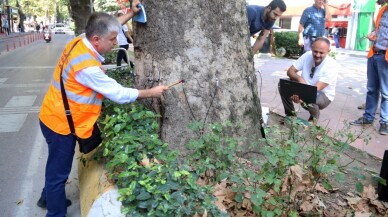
(361, 121)
(42, 203)
(383, 129)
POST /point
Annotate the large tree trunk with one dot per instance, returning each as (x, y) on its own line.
(80, 12)
(205, 43)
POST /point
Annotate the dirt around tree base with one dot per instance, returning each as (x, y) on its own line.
(355, 195)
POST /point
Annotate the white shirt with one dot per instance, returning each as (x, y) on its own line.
(326, 72)
(95, 78)
(121, 39)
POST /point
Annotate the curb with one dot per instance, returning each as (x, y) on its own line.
(98, 196)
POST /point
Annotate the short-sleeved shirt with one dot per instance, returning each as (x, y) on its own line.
(381, 42)
(313, 21)
(121, 39)
(326, 72)
(256, 22)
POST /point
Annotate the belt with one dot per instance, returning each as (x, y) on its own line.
(380, 51)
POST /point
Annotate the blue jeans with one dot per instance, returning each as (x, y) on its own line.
(336, 40)
(377, 72)
(58, 167)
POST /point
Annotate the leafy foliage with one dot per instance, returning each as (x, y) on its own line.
(150, 179)
(289, 41)
(292, 166)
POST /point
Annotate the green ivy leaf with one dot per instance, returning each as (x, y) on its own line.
(359, 187)
(143, 196)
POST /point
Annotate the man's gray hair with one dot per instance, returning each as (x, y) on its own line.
(101, 24)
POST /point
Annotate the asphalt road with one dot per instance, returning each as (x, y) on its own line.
(25, 74)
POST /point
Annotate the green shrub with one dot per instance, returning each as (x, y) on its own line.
(151, 181)
(288, 41)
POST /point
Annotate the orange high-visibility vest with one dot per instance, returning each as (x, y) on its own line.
(377, 24)
(84, 103)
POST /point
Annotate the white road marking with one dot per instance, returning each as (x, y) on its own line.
(28, 185)
(27, 67)
(24, 85)
(19, 110)
(17, 101)
(12, 123)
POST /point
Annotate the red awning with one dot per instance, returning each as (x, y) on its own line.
(342, 9)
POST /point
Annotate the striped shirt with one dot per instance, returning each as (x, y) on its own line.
(313, 21)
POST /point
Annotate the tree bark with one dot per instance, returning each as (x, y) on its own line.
(205, 43)
(80, 12)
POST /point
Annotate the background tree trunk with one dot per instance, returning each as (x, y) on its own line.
(205, 43)
(80, 12)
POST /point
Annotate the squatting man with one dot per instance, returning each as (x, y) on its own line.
(317, 69)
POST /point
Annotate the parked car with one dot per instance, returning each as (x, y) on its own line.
(59, 28)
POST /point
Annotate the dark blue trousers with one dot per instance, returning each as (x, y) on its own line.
(58, 167)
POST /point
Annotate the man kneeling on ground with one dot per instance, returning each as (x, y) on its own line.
(319, 70)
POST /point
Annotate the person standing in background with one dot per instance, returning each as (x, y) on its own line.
(123, 40)
(377, 73)
(312, 23)
(335, 33)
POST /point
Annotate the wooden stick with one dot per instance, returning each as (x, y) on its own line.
(178, 82)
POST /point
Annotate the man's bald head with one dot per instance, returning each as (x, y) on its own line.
(320, 48)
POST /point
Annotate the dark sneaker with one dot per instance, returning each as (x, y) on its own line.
(42, 203)
(361, 121)
(383, 129)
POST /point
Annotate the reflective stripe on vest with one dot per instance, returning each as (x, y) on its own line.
(92, 100)
(85, 103)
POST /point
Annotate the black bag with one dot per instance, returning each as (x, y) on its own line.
(85, 145)
(89, 144)
(382, 190)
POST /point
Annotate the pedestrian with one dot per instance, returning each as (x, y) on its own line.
(85, 84)
(335, 33)
(123, 39)
(312, 23)
(377, 73)
(318, 69)
(261, 20)
(6, 26)
(37, 27)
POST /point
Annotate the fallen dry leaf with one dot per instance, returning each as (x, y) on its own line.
(145, 162)
(339, 202)
(360, 214)
(306, 206)
(19, 202)
(369, 192)
(363, 205)
(320, 188)
(379, 205)
(352, 200)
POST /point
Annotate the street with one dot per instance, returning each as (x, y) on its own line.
(25, 74)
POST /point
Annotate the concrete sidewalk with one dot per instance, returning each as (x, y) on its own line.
(350, 93)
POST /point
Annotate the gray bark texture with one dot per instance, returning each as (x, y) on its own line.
(80, 12)
(205, 43)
